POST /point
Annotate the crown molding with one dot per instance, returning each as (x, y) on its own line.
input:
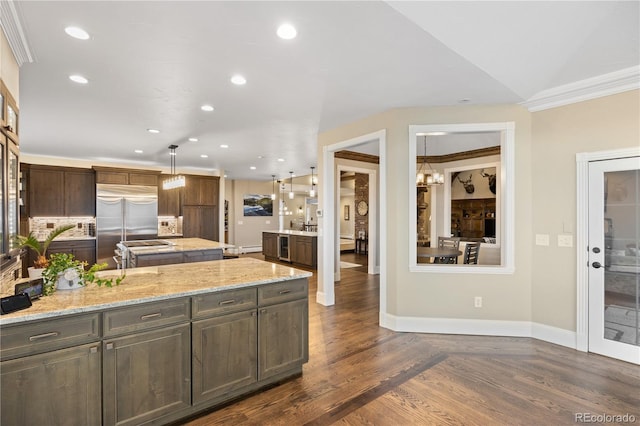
(12, 28)
(590, 88)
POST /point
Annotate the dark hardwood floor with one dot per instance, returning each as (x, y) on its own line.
(361, 374)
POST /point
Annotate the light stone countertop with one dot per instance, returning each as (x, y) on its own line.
(156, 283)
(181, 244)
(293, 232)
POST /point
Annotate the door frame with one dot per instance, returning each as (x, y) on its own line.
(327, 220)
(582, 236)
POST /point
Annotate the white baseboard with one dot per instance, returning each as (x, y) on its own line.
(321, 298)
(246, 249)
(542, 332)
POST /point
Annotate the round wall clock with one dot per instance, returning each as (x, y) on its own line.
(363, 208)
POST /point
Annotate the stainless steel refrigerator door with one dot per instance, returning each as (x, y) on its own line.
(140, 218)
(109, 228)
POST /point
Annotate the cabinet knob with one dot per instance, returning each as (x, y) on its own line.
(109, 346)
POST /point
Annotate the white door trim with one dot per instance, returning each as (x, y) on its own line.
(582, 236)
(327, 230)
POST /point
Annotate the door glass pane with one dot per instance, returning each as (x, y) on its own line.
(2, 198)
(622, 256)
(12, 213)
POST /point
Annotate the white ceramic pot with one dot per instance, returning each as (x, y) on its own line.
(69, 280)
(35, 272)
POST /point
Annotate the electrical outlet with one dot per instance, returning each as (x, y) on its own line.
(542, 239)
(477, 302)
(565, 240)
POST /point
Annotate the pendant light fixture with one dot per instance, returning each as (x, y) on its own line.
(291, 194)
(175, 181)
(273, 187)
(312, 191)
(428, 177)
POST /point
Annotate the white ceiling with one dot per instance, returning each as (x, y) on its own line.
(152, 64)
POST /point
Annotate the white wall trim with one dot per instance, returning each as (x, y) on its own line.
(590, 88)
(12, 28)
(475, 327)
(327, 232)
(507, 197)
(582, 236)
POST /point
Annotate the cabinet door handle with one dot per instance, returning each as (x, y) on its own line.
(227, 302)
(109, 346)
(150, 316)
(263, 311)
(43, 336)
(284, 291)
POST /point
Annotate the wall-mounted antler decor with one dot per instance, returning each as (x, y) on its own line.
(492, 180)
(468, 186)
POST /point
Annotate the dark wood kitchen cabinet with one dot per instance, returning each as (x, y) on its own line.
(83, 250)
(118, 176)
(169, 202)
(200, 222)
(56, 362)
(60, 191)
(304, 250)
(282, 306)
(270, 245)
(201, 191)
(225, 354)
(71, 379)
(146, 362)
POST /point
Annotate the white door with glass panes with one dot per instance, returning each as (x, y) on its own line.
(614, 258)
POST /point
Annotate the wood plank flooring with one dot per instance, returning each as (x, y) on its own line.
(361, 374)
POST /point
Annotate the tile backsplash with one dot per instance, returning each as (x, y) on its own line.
(169, 225)
(42, 226)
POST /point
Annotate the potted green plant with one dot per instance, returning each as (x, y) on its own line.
(30, 241)
(65, 272)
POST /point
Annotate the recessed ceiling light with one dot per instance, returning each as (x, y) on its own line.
(238, 80)
(260, 156)
(287, 31)
(138, 151)
(224, 146)
(78, 79)
(252, 167)
(76, 32)
(464, 101)
(193, 139)
(281, 160)
(204, 156)
(154, 131)
(207, 108)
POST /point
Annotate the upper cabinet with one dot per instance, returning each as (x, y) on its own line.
(60, 191)
(111, 175)
(201, 191)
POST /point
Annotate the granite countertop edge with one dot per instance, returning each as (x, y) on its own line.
(293, 232)
(24, 316)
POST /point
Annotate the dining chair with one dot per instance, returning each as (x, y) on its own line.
(471, 253)
(448, 243)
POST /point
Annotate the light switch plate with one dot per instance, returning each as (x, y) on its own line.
(565, 240)
(542, 239)
(240, 222)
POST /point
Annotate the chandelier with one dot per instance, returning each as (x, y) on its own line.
(426, 176)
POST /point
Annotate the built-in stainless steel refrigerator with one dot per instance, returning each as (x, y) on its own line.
(124, 213)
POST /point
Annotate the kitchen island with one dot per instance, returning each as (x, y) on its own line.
(297, 247)
(179, 250)
(167, 343)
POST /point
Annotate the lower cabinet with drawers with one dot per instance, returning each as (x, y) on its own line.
(153, 363)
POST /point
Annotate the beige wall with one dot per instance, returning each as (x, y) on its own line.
(543, 287)
(9, 70)
(247, 231)
(443, 295)
(601, 124)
